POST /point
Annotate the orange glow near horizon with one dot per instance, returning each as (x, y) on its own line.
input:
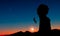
(33, 29)
(14, 30)
(55, 27)
(30, 29)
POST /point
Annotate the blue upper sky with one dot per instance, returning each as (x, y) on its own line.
(21, 12)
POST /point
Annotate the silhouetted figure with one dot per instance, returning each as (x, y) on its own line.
(44, 26)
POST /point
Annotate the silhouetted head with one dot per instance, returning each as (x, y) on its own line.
(42, 10)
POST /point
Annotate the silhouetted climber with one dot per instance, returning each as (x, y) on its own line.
(44, 26)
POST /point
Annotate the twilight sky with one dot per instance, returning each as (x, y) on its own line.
(17, 15)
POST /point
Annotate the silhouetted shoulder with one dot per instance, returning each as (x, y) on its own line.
(47, 18)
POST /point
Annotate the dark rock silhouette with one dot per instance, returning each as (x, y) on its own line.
(44, 26)
(17, 34)
(54, 32)
(27, 33)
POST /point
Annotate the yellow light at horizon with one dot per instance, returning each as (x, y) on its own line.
(32, 29)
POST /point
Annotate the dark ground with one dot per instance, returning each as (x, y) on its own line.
(54, 32)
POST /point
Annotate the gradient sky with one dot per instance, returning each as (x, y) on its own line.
(17, 15)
